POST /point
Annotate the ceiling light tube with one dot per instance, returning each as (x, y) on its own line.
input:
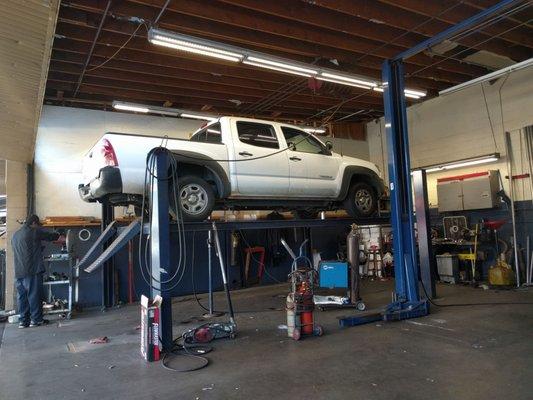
(343, 82)
(493, 75)
(414, 92)
(142, 108)
(278, 64)
(314, 130)
(195, 50)
(127, 107)
(197, 116)
(348, 79)
(463, 163)
(378, 89)
(287, 71)
(412, 96)
(197, 46)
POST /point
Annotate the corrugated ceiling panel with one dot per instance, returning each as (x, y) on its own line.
(26, 37)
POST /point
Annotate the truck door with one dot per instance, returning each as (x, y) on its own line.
(266, 176)
(313, 169)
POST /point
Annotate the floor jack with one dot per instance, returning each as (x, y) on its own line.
(300, 303)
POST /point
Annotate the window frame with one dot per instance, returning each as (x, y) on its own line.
(265, 124)
(324, 150)
(204, 131)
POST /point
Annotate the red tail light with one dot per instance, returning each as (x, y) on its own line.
(108, 153)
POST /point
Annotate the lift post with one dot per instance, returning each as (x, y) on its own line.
(160, 244)
(407, 302)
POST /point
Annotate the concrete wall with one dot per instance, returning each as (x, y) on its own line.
(16, 178)
(64, 136)
(457, 126)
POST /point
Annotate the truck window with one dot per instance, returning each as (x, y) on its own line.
(210, 134)
(261, 135)
(303, 141)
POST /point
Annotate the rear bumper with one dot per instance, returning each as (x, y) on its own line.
(108, 182)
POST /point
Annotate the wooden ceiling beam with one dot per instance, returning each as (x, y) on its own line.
(354, 24)
(278, 32)
(222, 98)
(518, 36)
(373, 99)
(433, 79)
(191, 103)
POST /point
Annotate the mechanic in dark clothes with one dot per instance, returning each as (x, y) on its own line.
(29, 268)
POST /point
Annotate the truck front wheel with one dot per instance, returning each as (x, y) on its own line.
(362, 200)
(196, 198)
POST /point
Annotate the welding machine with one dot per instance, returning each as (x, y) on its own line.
(333, 275)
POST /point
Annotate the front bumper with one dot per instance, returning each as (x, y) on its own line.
(108, 182)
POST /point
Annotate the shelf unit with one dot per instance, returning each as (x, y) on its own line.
(71, 282)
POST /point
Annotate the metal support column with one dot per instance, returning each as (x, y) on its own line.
(428, 264)
(160, 244)
(108, 270)
(407, 302)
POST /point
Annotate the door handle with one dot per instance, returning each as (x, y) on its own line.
(294, 158)
(245, 154)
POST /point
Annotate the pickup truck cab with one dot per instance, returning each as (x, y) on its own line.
(237, 163)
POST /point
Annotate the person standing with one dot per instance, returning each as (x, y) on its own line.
(29, 269)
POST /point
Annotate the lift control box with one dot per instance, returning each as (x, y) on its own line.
(333, 274)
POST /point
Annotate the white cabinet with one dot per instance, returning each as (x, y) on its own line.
(468, 192)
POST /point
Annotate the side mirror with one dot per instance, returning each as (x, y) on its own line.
(329, 145)
(291, 146)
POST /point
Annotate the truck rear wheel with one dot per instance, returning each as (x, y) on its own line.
(196, 198)
(361, 201)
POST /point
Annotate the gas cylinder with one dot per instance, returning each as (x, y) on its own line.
(352, 255)
(292, 327)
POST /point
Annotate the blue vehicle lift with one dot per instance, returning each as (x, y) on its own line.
(407, 302)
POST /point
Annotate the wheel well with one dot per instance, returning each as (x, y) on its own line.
(205, 173)
(364, 178)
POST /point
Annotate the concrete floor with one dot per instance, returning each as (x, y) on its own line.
(454, 353)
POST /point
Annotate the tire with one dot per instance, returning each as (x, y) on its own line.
(361, 201)
(196, 198)
(305, 214)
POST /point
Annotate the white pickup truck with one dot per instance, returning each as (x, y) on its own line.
(237, 163)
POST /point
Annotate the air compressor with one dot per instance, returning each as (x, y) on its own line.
(300, 305)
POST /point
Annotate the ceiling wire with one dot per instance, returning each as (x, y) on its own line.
(93, 44)
(490, 119)
(119, 49)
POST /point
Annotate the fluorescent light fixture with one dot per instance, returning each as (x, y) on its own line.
(276, 68)
(493, 75)
(343, 83)
(194, 45)
(412, 92)
(348, 79)
(142, 108)
(315, 130)
(463, 163)
(127, 107)
(197, 116)
(195, 50)
(283, 65)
